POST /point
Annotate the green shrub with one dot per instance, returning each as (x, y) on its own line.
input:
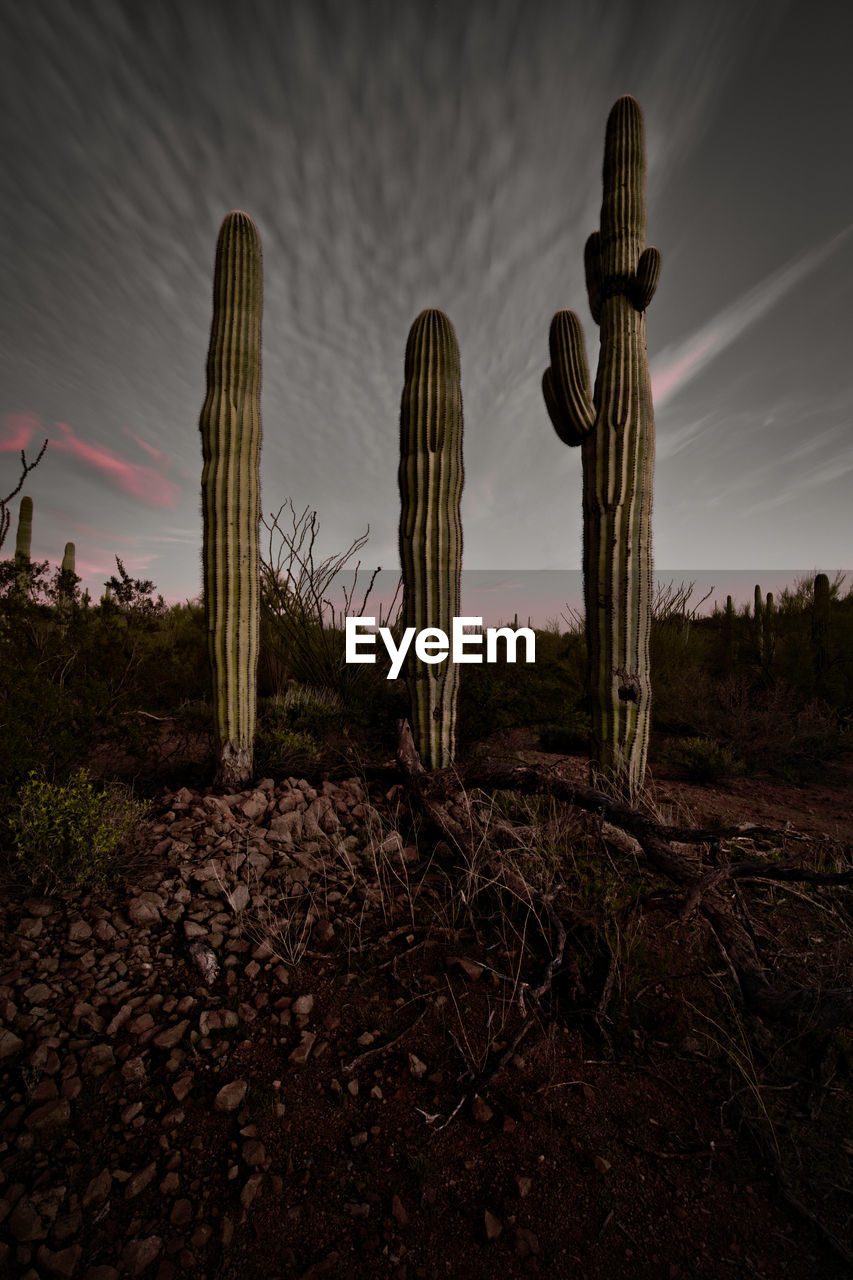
(569, 738)
(66, 833)
(282, 753)
(704, 760)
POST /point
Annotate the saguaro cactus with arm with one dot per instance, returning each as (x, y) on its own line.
(615, 429)
(231, 443)
(431, 476)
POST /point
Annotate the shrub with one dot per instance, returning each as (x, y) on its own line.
(704, 760)
(281, 753)
(66, 833)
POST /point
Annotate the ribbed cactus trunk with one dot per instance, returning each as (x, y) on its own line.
(729, 637)
(820, 632)
(615, 429)
(230, 482)
(23, 544)
(431, 476)
(67, 579)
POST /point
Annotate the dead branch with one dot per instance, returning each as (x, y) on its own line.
(431, 792)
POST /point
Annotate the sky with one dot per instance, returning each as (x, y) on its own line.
(403, 154)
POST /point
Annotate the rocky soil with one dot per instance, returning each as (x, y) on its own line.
(246, 1058)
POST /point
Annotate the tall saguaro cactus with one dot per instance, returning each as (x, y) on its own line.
(431, 476)
(231, 443)
(23, 544)
(615, 429)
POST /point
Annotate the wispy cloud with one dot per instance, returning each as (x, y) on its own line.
(18, 431)
(157, 454)
(679, 364)
(142, 482)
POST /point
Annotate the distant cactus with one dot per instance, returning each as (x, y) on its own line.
(431, 476)
(23, 543)
(729, 636)
(820, 631)
(231, 441)
(768, 632)
(67, 578)
(614, 425)
(757, 623)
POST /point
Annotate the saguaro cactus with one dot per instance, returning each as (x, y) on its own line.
(729, 636)
(431, 476)
(614, 426)
(820, 632)
(67, 578)
(23, 543)
(231, 442)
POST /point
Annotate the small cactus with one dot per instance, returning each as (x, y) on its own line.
(67, 578)
(614, 427)
(768, 632)
(231, 440)
(431, 476)
(729, 636)
(820, 632)
(23, 543)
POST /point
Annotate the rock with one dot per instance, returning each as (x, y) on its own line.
(206, 961)
(239, 897)
(301, 1053)
(398, 1212)
(140, 1180)
(25, 1222)
(9, 1043)
(53, 1115)
(480, 1110)
(138, 1254)
(63, 1263)
(99, 1060)
(493, 1225)
(145, 909)
(230, 1096)
(526, 1243)
(98, 1189)
(417, 1068)
(251, 1189)
(172, 1035)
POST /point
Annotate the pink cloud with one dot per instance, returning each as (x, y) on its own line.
(149, 448)
(18, 430)
(141, 482)
(667, 379)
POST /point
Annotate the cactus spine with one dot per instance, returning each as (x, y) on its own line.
(23, 543)
(231, 441)
(431, 476)
(820, 632)
(614, 426)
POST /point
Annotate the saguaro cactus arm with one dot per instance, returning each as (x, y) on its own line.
(565, 383)
(231, 440)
